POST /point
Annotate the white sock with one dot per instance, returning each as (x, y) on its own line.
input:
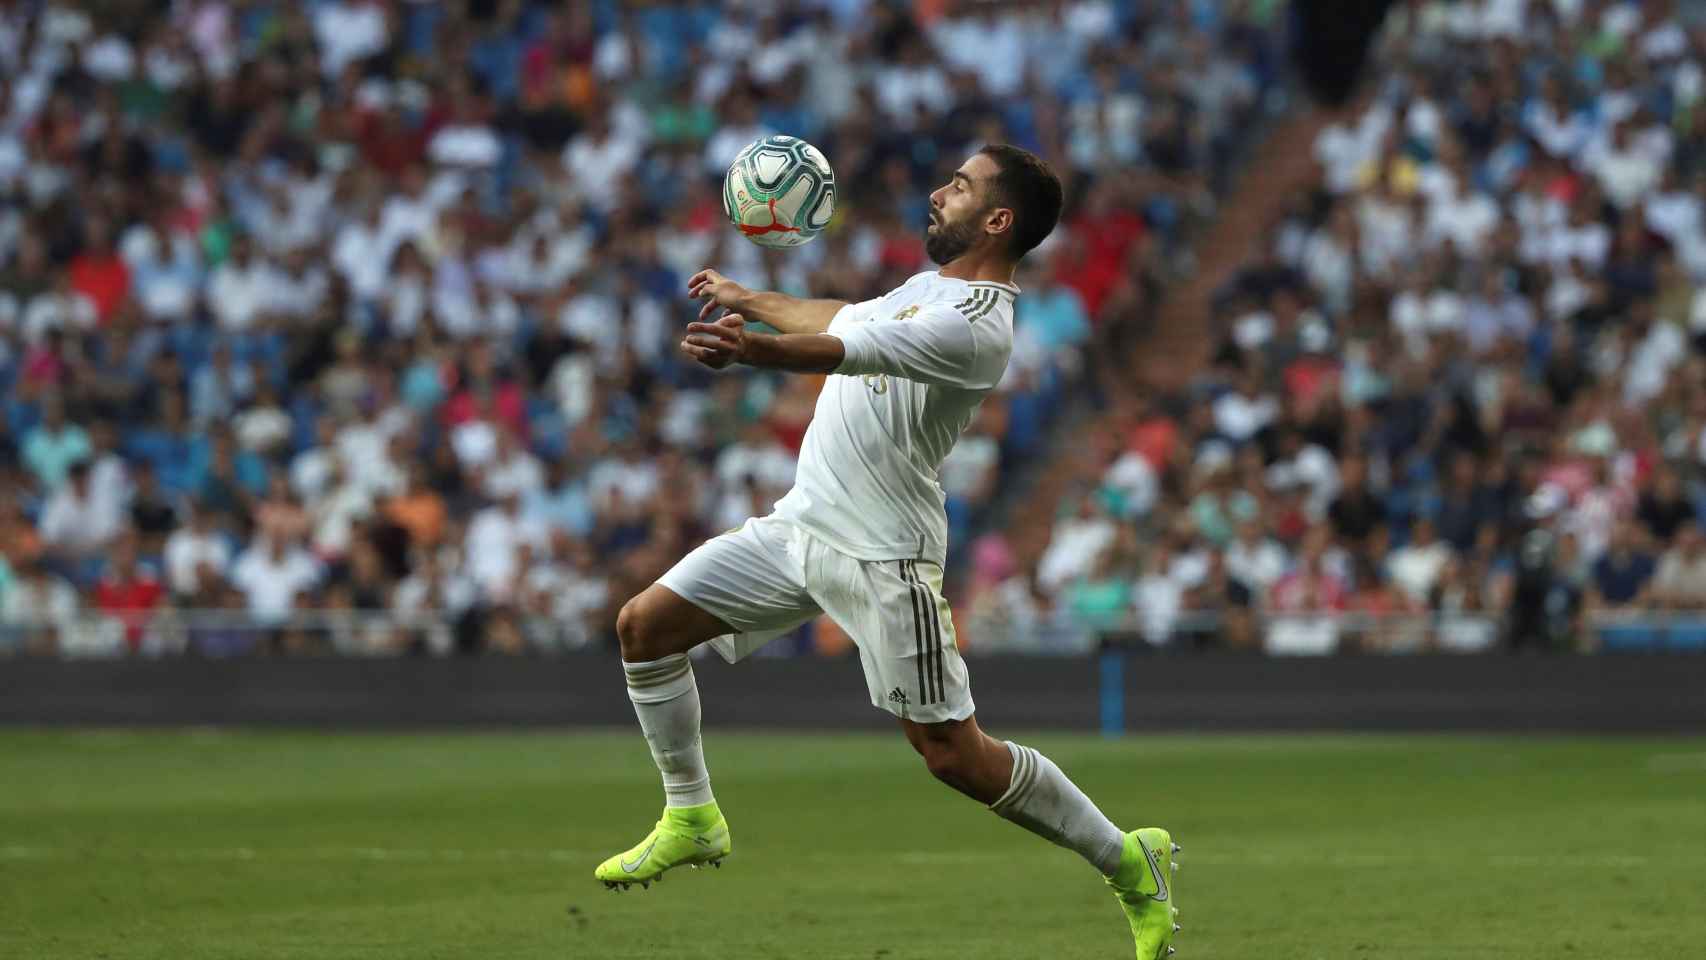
(666, 699)
(1042, 800)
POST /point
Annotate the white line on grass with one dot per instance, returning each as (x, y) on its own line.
(1677, 763)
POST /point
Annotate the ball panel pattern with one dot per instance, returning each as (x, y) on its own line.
(779, 192)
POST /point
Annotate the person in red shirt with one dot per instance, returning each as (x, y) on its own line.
(98, 272)
(1098, 240)
(128, 592)
(480, 388)
(1153, 434)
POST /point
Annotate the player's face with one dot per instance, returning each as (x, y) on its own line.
(958, 211)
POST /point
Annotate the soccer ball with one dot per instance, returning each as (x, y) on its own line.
(780, 192)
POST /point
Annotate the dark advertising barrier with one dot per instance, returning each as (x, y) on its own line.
(1133, 693)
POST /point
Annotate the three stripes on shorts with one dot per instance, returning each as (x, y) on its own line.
(926, 634)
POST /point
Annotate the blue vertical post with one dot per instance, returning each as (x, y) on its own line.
(1113, 692)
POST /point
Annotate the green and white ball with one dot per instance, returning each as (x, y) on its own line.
(780, 192)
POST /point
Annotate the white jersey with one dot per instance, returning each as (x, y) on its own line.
(919, 361)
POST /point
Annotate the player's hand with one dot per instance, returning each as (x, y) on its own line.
(716, 290)
(716, 345)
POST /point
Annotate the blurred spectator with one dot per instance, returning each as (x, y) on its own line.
(197, 556)
(419, 510)
(1623, 573)
(1387, 618)
(1308, 587)
(78, 522)
(1356, 513)
(1255, 560)
(1663, 509)
(1220, 507)
(1078, 542)
(1159, 596)
(1416, 567)
(274, 574)
(495, 537)
(1229, 601)
(1102, 599)
(54, 444)
(1680, 581)
(36, 609)
(153, 515)
(129, 592)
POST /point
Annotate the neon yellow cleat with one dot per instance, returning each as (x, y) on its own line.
(1144, 886)
(683, 837)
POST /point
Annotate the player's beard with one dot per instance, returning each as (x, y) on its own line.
(951, 239)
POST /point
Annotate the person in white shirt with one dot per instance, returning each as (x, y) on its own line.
(272, 573)
(862, 536)
(1242, 413)
(1627, 170)
(245, 289)
(1256, 560)
(599, 154)
(1418, 565)
(197, 556)
(1158, 596)
(495, 535)
(41, 609)
(336, 514)
(348, 31)
(78, 522)
(1075, 545)
(360, 255)
(512, 471)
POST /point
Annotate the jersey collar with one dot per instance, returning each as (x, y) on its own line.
(1009, 287)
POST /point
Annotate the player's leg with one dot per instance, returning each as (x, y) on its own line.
(1019, 784)
(656, 630)
(906, 643)
(1025, 787)
(737, 584)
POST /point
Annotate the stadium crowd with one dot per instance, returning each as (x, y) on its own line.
(1460, 393)
(316, 308)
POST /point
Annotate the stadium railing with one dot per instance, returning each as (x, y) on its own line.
(1331, 632)
(379, 633)
(230, 633)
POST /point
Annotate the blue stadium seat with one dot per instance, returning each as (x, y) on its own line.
(1629, 637)
(1686, 635)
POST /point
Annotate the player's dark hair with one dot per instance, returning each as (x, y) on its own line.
(1025, 185)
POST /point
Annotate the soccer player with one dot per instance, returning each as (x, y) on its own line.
(862, 537)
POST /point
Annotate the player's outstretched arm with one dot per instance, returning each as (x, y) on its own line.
(727, 341)
(785, 313)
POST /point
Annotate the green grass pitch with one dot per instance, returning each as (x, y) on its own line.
(215, 844)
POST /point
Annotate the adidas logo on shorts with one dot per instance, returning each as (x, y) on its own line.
(897, 695)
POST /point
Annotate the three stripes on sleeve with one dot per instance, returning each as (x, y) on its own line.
(978, 304)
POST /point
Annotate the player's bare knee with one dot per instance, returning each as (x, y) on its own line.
(637, 631)
(943, 760)
(944, 755)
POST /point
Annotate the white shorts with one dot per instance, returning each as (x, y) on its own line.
(769, 576)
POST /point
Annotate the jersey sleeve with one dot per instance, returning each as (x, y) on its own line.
(938, 346)
(852, 314)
